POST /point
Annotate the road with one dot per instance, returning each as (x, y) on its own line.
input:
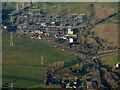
(80, 58)
(83, 58)
(106, 54)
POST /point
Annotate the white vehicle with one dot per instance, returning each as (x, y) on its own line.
(55, 45)
(32, 37)
(71, 40)
(94, 57)
(53, 22)
(64, 37)
(40, 38)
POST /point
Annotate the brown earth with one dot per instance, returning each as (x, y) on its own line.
(108, 32)
(103, 11)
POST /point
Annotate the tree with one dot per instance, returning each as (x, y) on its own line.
(81, 65)
(77, 66)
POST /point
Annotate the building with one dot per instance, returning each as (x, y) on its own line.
(118, 65)
(40, 32)
(68, 85)
(4, 27)
(71, 40)
(94, 84)
(70, 31)
(89, 84)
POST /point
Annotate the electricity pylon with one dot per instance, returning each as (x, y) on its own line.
(11, 19)
(17, 7)
(42, 60)
(44, 6)
(23, 5)
(68, 10)
(11, 38)
(59, 7)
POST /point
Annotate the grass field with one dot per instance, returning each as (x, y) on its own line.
(53, 7)
(110, 60)
(22, 62)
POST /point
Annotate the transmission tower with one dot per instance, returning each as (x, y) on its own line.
(11, 85)
(31, 15)
(59, 7)
(42, 60)
(11, 19)
(36, 6)
(44, 6)
(68, 10)
(11, 38)
(17, 7)
(23, 5)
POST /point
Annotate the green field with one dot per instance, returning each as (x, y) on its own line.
(22, 62)
(53, 7)
(110, 60)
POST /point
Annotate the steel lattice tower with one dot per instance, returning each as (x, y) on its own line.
(22, 4)
(42, 60)
(17, 7)
(44, 6)
(11, 19)
(11, 38)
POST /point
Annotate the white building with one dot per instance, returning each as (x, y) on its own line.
(64, 37)
(40, 38)
(53, 22)
(71, 40)
(70, 31)
(118, 65)
(4, 27)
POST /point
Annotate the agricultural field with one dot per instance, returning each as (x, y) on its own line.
(65, 8)
(110, 60)
(107, 31)
(22, 62)
(38, 60)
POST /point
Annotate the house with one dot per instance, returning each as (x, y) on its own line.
(40, 32)
(89, 84)
(4, 27)
(68, 85)
(118, 65)
(94, 84)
